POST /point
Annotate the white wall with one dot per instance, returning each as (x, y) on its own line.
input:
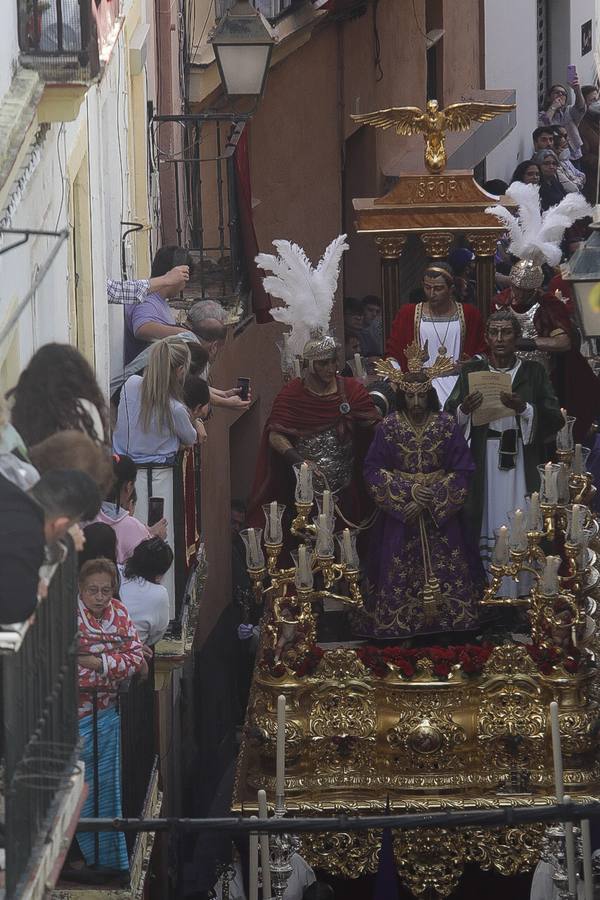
(9, 45)
(44, 204)
(566, 19)
(511, 62)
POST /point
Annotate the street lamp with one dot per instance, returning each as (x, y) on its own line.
(584, 273)
(243, 43)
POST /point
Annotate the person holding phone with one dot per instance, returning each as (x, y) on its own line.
(116, 511)
(557, 111)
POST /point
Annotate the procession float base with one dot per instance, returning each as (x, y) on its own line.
(461, 728)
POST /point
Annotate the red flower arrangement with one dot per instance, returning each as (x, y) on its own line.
(546, 658)
(303, 666)
(470, 657)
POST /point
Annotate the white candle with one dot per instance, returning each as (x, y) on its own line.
(323, 535)
(586, 846)
(280, 758)
(358, 366)
(302, 562)
(518, 535)
(273, 524)
(570, 846)
(578, 460)
(577, 522)
(559, 789)
(253, 864)
(327, 503)
(305, 483)
(533, 522)
(254, 548)
(347, 545)
(264, 847)
(501, 548)
(550, 487)
(297, 370)
(550, 576)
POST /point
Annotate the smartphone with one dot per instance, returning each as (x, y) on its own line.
(156, 510)
(571, 73)
(244, 384)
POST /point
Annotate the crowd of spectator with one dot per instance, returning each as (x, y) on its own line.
(68, 484)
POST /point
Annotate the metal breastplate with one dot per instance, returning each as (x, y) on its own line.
(528, 331)
(333, 458)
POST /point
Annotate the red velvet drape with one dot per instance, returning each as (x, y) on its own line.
(261, 302)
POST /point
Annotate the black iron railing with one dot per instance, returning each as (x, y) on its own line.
(138, 742)
(194, 155)
(39, 692)
(63, 39)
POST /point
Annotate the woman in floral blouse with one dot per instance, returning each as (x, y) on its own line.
(109, 652)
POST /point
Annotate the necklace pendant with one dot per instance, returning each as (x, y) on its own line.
(442, 350)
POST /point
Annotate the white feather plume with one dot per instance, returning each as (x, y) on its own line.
(535, 235)
(307, 292)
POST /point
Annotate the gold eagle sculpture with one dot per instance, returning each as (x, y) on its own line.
(433, 123)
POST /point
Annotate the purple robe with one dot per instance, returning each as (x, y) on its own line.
(435, 455)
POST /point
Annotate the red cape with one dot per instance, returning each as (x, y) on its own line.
(576, 386)
(403, 332)
(298, 413)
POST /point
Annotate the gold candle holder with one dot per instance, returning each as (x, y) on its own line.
(300, 526)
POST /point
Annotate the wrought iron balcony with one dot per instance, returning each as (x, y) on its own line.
(43, 782)
(271, 9)
(66, 40)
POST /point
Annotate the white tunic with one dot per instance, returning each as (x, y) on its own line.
(447, 333)
(504, 490)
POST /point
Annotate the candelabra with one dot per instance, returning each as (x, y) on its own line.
(557, 605)
(317, 573)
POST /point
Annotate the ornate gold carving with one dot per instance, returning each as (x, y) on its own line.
(390, 247)
(506, 850)
(483, 242)
(341, 664)
(510, 659)
(433, 122)
(336, 711)
(437, 244)
(511, 711)
(348, 855)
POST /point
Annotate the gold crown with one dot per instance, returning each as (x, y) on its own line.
(416, 357)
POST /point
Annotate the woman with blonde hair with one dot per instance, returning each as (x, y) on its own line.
(152, 420)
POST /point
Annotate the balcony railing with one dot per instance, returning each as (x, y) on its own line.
(65, 39)
(271, 9)
(39, 692)
(202, 181)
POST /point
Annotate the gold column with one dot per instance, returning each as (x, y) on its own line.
(484, 246)
(390, 249)
(437, 243)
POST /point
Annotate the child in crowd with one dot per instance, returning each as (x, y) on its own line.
(146, 599)
(196, 396)
(115, 511)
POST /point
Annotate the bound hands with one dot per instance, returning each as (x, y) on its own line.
(422, 500)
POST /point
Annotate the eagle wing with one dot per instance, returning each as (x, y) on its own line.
(405, 119)
(459, 116)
